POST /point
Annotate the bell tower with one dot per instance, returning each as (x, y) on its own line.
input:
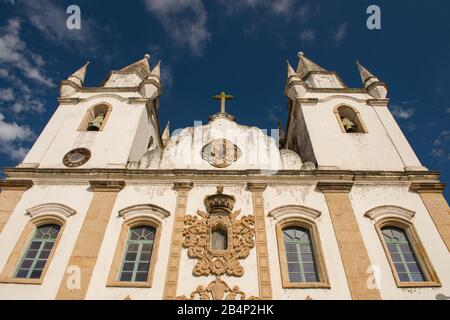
(342, 128)
(108, 126)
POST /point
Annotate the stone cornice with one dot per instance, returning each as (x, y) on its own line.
(107, 185)
(19, 185)
(335, 186)
(81, 176)
(427, 187)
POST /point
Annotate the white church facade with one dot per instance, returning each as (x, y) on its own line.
(105, 206)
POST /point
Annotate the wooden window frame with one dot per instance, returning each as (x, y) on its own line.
(419, 251)
(322, 273)
(114, 273)
(89, 112)
(9, 271)
(357, 115)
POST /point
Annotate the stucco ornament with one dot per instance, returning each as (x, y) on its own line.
(217, 290)
(221, 153)
(238, 234)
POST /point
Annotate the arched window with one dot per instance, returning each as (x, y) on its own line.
(410, 265)
(36, 255)
(302, 263)
(300, 255)
(95, 118)
(403, 255)
(137, 256)
(349, 120)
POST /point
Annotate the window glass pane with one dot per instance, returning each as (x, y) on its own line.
(293, 267)
(292, 257)
(35, 274)
(418, 277)
(295, 277)
(141, 276)
(311, 277)
(402, 254)
(22, 273)
(300, 255)
(137, 256)
(35, 257)
(126, 276)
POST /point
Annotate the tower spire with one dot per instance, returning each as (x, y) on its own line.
(157, 70)
(306, 66)
(371, 83)
(366, 76)
(79, 76)
(290, 70)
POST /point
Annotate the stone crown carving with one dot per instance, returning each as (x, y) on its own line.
(219, 202)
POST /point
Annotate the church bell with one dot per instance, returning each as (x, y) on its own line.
(97, 123)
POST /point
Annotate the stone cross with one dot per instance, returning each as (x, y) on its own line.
(222, 97)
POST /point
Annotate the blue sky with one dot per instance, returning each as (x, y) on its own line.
(237, 46)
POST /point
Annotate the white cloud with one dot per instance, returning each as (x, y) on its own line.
(15, 54)
(12, 137)
(184, 21)
(6, 95)
(27, 99)
(401, 112)
(283, 7)
(441, 146)
(50, 19)
(307, 35)
(341, 32)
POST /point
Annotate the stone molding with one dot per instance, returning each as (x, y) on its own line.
(383, 212)
(335, 186)
(427, 187)
(144, 210)
(183, 185)
(19, 185)
(51, 208)
(107, 186)
(294, 211)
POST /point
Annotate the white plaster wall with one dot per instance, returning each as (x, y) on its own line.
(258, 150)
(144, 131)
(74, 196)
(248, 283)
(371, 151)
(161, 195)
(367, 197)
(278, 195)
(110, 147)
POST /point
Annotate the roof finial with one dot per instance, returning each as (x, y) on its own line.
(147, 56)
(300, 54)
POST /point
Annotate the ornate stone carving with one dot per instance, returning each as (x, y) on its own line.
(217, 290)
(221, 153)
(197, 235)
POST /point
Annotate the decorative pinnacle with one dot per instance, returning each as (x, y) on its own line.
(300, 54)
(147, 56)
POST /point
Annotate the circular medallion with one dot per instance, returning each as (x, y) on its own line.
(76, 157)
(221, 153)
